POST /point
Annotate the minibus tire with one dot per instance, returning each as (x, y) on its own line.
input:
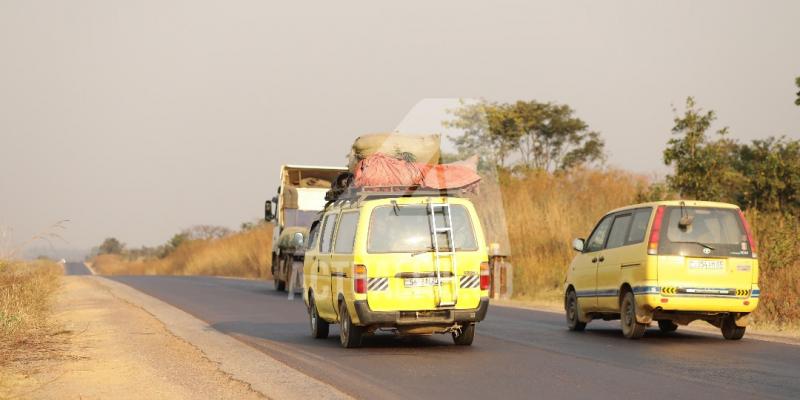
(573, 320)
(631, 328)
(319, 327)
(349, 334)
(465, 337)
(667, 326)
(730, 331)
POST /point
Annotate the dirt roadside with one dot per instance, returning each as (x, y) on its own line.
(112, 349)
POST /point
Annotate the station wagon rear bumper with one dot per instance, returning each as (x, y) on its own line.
(427, 317)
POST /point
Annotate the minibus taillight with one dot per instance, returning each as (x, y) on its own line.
(655, 232)
(485, 277)
(360, 278)
(750, 239)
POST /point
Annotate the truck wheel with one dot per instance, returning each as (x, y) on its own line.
(465, 337)
(319, 327)
(572, 310)
(730, 331)
(349, 334)
(631, 328)
(667, 326)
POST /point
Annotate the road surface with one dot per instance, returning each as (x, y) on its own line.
(517, 353)
(76, 268)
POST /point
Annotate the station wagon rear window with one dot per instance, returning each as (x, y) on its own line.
(713, 232)
(407, 229)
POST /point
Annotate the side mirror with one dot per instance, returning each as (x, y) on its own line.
(297, 240)
(578, 245)
(268, 214)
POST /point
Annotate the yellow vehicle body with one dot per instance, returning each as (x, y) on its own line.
(389, 302)
(672, 280)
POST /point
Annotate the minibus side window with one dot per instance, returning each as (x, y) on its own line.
(598, 238)
(346, 234)
(327, 233)
(639, 226)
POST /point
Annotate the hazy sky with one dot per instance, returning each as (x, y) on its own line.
(139, 118)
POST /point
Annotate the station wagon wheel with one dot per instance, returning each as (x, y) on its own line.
(631, 328)
(319, 327)
(573, 321)
(349, 334)
(667, 326)
(465, 337)
(730, 331)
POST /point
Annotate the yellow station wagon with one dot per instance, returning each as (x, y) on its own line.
(408, 262)
(673, 262)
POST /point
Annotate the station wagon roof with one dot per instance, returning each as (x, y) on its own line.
(676, 203)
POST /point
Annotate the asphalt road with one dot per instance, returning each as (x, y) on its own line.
(76, 268)
(517, 353)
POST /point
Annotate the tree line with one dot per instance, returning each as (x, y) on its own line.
(545, 136)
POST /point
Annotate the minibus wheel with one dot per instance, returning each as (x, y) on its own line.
(319, 327)
(730, 331)
(465, 337)
(631, 328)
(349, 334)
(573, 321)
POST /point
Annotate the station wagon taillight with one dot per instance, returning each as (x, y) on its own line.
(655, 232)
(360, 279)
(486, 279)
(749, 233)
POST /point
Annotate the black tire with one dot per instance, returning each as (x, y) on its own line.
(573, 311)
(667, 326)
(319, 327)
(349, 334)
(631, 328)
(465, 337)
(730, 331)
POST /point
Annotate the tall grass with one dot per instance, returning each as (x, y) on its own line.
(245, 254)
(26, 292)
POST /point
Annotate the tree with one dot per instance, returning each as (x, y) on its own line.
(111, 246)
(545, 136)
(772, 168)
(704, 170)
(797, 82)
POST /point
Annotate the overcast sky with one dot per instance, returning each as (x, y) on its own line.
(137, 119)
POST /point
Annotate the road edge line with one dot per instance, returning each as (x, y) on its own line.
(263, 373)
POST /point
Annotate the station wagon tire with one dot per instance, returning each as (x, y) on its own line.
(349, 334)
(465, 337)
(730, 331)
(319, 327)
(573, 321)
(631, 328)
(667, 326)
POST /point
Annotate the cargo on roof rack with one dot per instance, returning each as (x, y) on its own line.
(374, 192)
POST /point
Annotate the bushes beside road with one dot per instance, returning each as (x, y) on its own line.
(243, 254)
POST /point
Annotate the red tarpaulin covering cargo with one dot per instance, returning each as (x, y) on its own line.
(382, 170)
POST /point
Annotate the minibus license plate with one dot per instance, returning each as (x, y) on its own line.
(421, 282)
(707, 265)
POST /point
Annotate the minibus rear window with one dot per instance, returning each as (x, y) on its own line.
(406, 229)
(712, 232)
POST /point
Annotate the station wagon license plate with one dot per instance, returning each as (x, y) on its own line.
(707, 265)
(422, 282)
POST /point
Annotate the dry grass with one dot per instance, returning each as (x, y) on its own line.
(26, 292)
(245, 254)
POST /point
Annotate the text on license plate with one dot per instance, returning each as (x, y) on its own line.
(707, 265)
(421, 282)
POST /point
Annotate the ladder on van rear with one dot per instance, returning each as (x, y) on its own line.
(438, 254)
